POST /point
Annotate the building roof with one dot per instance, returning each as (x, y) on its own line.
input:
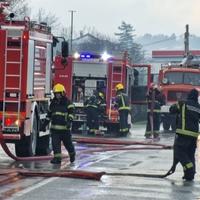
(172, 53)
(84, 38)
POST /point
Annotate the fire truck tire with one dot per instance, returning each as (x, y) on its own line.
(43, 146)
(27, 145)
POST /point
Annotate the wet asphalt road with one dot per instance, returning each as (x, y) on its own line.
(118, 187)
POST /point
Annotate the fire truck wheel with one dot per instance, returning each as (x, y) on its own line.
(43, 146)
(27, 145)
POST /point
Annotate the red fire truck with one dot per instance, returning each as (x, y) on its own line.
(26, 52)
(175, 82)
(90, 72)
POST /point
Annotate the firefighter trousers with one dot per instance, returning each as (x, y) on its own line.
(155, 123)
(58, 137)
(92, 119)
(184, 152)
(123, 121)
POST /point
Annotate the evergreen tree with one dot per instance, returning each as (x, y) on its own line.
(126, 40)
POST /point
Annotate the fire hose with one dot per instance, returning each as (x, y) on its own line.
(116, 142)
(83, 174)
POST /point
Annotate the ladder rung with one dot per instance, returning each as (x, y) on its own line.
(13, 62)
(11, 114)
(10, 88)
(11, 101)
(9, 127)
(12, 75)
(12, 49)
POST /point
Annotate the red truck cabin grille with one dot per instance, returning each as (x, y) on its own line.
(177, 95)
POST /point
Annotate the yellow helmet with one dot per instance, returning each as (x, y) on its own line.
(101, 95)
(119, 86)
(58, 88)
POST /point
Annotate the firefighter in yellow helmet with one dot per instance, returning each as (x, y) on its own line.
(122, 104)
(60, 114)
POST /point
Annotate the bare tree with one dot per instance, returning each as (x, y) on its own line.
(49, 18)
(19, 7)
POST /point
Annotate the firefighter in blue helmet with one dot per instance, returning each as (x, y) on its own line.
(122, 104)
(60, 114)
(188, 115)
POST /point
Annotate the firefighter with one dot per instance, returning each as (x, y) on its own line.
(101, 104)
(60, 114)
(155, 100)
(121, 103)
(92, 112)
(188, 115)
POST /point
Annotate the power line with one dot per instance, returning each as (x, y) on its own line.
(160, 41)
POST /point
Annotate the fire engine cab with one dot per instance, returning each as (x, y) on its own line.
(26, 52)
(175, 82)
(88, 72)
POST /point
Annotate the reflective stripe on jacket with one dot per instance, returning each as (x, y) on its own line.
(188, 115)
(61, 113)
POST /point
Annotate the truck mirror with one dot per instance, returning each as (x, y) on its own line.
(55, 41)
(65, 49)
(165, 81)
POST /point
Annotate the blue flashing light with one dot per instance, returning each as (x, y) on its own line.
(88, 56)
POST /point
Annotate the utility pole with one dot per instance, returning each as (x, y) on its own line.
(71, 36)
(186, 41)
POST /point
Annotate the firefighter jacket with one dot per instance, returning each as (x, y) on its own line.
(92, 101)
(155, 100)
(188, 114)
(61, 114)
(121, 102)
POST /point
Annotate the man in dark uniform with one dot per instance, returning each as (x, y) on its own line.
(122, 104)
(92, 112)
(155, 100)
(60, 114)
(188, 115)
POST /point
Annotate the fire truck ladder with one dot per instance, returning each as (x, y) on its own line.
(12, 94)
(116, 77)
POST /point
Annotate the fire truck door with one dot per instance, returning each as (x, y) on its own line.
(141, 84)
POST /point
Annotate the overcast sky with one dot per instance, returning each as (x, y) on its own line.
(146, 16)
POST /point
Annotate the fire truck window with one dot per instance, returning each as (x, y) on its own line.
(142, 77)
(192, 78)
(78, 90)
(174, 77)
(39, 66)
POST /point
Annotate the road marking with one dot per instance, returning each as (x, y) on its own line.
(36, 186)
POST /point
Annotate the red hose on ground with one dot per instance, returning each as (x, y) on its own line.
(11, 155)
(89, 141)
(68, 173)
(10, 178)
(116, 142)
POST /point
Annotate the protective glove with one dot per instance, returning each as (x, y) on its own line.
(43, 128)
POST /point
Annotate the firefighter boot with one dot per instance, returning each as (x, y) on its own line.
(56, 160)
(156, 136)
(189, 174)
(72, 157)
